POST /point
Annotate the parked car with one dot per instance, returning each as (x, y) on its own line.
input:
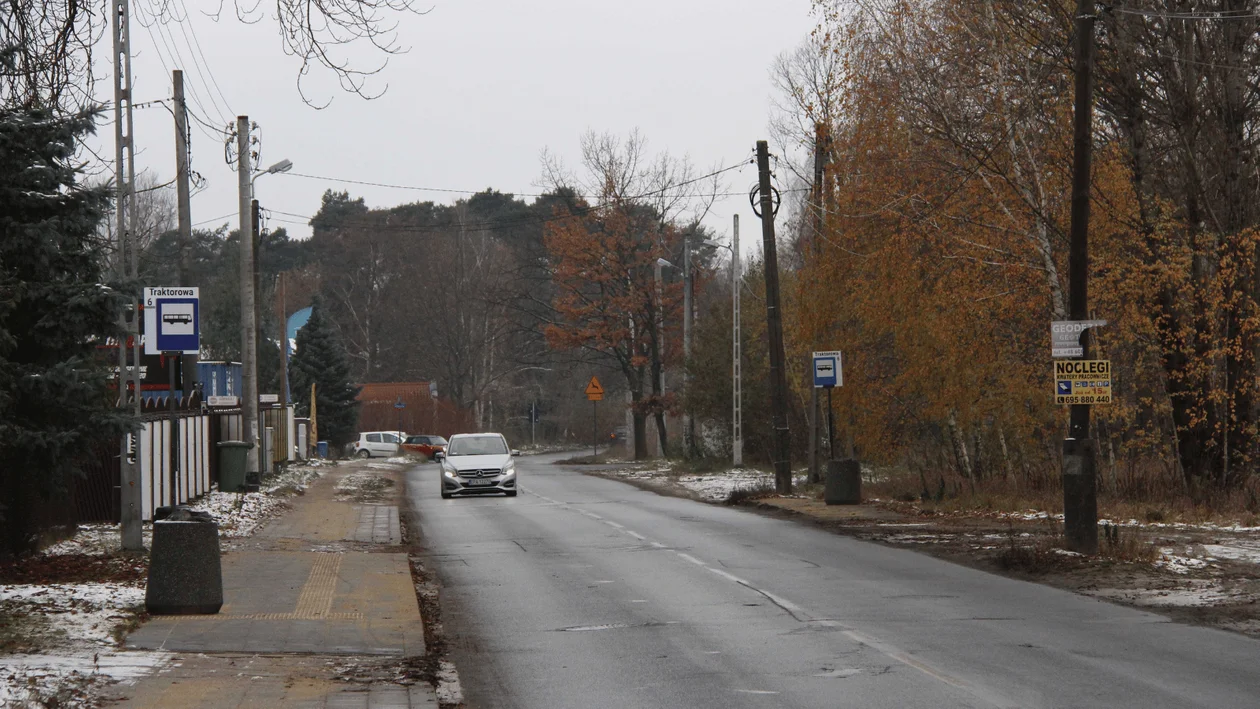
(377, 444)
(427, 446)
(477, 463)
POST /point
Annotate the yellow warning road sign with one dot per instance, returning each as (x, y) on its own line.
(594, 392)
(1082, 381)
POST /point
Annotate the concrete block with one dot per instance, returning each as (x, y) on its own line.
(843, 484)
(185, 575)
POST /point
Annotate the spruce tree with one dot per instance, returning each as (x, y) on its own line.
(55, 400)
(321, 359)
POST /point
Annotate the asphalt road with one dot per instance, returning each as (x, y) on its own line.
(584, 592)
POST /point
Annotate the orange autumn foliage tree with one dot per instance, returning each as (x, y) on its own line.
(602, 269)
(943, 257)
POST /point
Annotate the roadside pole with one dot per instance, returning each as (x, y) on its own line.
(130, 498)
(187, 363)
(1080, 504)
(774, 324)
(737, 395)
(815, 416)
(249, 363)
(595, 394)
(172, 361)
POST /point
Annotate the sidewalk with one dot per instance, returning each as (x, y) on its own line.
(320, 591)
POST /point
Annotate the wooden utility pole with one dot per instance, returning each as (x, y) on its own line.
(1080, 504)
(188, 363)
(183, 198)
(774, 325)
(815, 419)
(284, 344)
(737, 374)
(249, 327)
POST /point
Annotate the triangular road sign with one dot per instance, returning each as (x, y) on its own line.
(594, 387)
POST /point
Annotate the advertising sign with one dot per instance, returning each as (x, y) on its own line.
(1082, 381)
(1065, 337)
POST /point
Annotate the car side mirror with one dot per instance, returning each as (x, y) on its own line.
(438, 455)
(515, 453)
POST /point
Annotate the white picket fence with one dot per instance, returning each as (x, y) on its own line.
(154, 454)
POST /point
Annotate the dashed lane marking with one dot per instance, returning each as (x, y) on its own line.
(801, 615)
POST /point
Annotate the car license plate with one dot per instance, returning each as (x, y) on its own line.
(476, 483)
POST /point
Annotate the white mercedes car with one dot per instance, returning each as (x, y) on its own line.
(476, 463)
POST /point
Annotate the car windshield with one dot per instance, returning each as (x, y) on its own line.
(415, 439)
(478, 445)
(437, 440)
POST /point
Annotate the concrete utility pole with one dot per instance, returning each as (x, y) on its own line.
(249, 325)
(130, 498)
(774, 326)
(1080, 503)
(737, 391)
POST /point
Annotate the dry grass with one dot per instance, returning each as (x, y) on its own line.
(1160, 500)
(753, 492)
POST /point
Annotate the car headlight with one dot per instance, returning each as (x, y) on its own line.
(448, 472)
(509, 469)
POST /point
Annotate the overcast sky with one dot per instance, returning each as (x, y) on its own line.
(485, 86)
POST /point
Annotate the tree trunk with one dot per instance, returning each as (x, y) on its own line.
(960, 446)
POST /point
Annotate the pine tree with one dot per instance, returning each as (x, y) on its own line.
(55, 399)
(321, 359)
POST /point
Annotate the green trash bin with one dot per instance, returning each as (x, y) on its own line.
(232, 459)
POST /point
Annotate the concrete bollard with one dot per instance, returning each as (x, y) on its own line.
(185, 575)
(843, 484)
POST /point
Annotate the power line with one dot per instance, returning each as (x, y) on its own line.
(148, 27)
(202, 54)
(1197, 15)
(215, 219)
(447, 190)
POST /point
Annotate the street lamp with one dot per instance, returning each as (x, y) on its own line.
(737, 414)
(282, 166)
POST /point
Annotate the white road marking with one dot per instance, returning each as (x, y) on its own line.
(801, 615)
(691, 558)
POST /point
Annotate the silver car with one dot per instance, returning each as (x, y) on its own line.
(476, 463)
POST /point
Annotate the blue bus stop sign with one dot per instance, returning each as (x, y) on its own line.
(828, 370)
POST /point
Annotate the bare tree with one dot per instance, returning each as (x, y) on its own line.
(46, 46)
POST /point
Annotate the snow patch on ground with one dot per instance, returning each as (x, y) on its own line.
(64, 640)
(69, 630)
(95, 540)
(238, 515)
(1199, 594)
(1171, 561)
(74, 613)
(1247, 551)
(717, 487)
